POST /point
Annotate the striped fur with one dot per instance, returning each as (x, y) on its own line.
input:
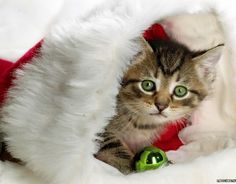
(139, 120)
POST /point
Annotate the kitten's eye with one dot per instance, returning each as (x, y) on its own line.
(180, 91)
(148, 85)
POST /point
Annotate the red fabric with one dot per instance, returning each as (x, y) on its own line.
(8, 68)
(155, 31)
(169, 139)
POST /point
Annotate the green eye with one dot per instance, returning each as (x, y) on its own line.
(180, 91)
(148, 85)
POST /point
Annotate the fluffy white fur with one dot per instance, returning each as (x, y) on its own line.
(67, 95)
(22, 24)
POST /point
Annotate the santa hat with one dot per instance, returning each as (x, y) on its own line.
(168, 140)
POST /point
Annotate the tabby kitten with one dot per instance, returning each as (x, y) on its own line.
(165, 82)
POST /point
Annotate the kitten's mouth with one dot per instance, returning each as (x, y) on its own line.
(158, 114)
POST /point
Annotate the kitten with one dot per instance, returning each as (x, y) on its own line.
(165, 82)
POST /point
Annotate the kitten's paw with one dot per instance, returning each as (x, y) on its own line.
(179, 156)
(126, 170)
(189, 134)
(174, 156)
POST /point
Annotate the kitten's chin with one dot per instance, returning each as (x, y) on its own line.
(158, 118)
(163, 118)
(159, 115)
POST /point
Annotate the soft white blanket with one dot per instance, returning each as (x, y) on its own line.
(65, 97)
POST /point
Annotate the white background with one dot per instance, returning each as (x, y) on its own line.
(24, 22)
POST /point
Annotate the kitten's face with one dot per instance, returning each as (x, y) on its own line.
(167, 83)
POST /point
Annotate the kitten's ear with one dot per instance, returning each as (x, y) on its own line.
(206, 62)
(146, 46)
(145, 52)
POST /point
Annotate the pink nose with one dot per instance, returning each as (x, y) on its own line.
(161, 107)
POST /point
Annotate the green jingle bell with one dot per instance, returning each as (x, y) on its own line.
(150, 158)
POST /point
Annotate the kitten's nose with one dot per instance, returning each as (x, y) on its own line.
(161, 107)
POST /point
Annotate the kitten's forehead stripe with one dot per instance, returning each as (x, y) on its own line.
(177, 77)
(171, 62)
(170, 56)
(156, 73)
